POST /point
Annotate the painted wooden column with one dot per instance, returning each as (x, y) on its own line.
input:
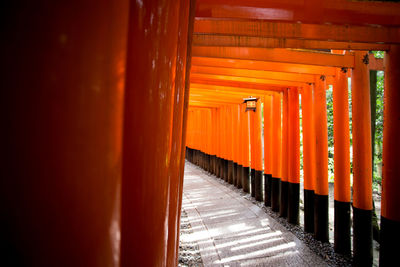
(236, 140)
(246, 151)
(175, 174)
(62, 111)
(294, 157)
(151, 73)
(252, 154)
(276, 158)
(268, 125)
(362, 169)
(307, 105)
(341, 135)
(321, 211)
(283, 187)
(390, 219)
(240, 147)
(234, 143)
(230, 143)
(258, 169)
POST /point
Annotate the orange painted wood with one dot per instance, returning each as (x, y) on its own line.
(268, 128)
(272, 75)
(201, 39)
(257, 137)
(199, 77)
(391, 140)
(262, 65)
(275, 55)
(317, 12)
(294, 136)
(321, 137)
(307, 105)
(325, 32)
(362, 153)
(232, 90)
(375, 63)
(285, 129)
(277, 136)
(246, 138)
(341, 135)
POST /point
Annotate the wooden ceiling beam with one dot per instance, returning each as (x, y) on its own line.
(276, 55)
(317, 12)
(262, 28)
(266, 42)
(262, 65)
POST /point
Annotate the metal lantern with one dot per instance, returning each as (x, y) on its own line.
(251, 103)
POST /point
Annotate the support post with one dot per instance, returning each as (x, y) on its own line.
(268, 125)
(321, 212)
(283, 187)
(307, 105)
(294, 157)
(362, 177)
(341, 135)
(390, 219)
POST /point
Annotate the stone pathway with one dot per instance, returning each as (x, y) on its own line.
(231, 231)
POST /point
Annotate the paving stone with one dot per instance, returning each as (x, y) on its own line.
(232, 231)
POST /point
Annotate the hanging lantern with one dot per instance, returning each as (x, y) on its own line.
(251, 103)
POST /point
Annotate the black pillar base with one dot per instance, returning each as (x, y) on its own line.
(246, 179)
(230, 171)
(234, 174)
(362, 237)
(293, 202)
(309, 211)
(342, 228)
(258, 185)
(239, 176)
(275, 193)
(221, 168)
(390, 236)
(321, 218)
(267, 189)
(226, 170)
(283, 201)
(253, 182)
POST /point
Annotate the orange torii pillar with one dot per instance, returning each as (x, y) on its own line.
(341, 136)
(246, 149)
(230, 143)
(62, 112)
(276, 144)
(283, 187)
(236, 144)
(256, 163)
(294, 156)
(146, 159)
(362, 158)
(218, 143)
(321, 212)
(268, 125)
(214, 141)
(307, 105)
(224, 144)
(390, 214)
(240, 148)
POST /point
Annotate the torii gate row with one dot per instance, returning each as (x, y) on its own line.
(228, 164)
(95, 105)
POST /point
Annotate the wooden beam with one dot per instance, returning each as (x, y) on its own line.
(262, 28)
(266, 42)
(237, 84)
(262, 65)
(318, 12)
(273, 75)
(265, 82)
(375, 63)
(234, 90)
(276, 55)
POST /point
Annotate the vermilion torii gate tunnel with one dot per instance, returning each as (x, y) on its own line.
(95, 105)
